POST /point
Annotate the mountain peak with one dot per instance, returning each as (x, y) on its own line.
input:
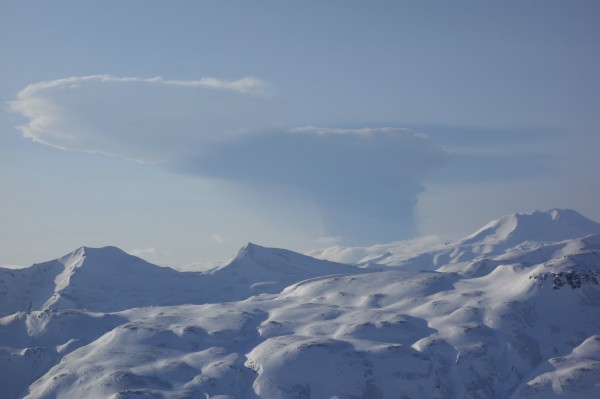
(93, 277)
(496, 237)
(249, 251)
(251, 247)
(566, 213)
(257, 263)
(552, 225)
(102, 251)
(97, 252)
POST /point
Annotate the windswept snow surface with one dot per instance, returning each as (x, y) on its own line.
(511, 311)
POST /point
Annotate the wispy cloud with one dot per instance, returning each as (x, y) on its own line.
(217, 239)
(151, 254)
(245, 85)
(365, 131)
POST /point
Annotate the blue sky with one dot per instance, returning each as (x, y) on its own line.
(182, 130)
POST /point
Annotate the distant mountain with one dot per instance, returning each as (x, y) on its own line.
(511, 312)
(512, 230)
(507, 232)
(257, 269)
(97, 279)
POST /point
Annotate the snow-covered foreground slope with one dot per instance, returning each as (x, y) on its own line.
(516, 320)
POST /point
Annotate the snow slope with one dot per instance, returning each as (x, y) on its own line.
(516, 319)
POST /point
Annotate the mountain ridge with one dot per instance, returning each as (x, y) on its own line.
(108, 279)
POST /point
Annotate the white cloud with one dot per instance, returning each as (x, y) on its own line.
(365, 131)
(144, 119)
(151, 255)
(248, 85)
(245, 85)
(400, 249)
(216, 238)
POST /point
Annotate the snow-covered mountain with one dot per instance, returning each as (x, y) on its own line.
(508, 312)
(498, 236)
(109, 280)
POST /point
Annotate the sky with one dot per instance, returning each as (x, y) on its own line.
(179, 131)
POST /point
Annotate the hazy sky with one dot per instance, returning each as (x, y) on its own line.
(181, 130)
